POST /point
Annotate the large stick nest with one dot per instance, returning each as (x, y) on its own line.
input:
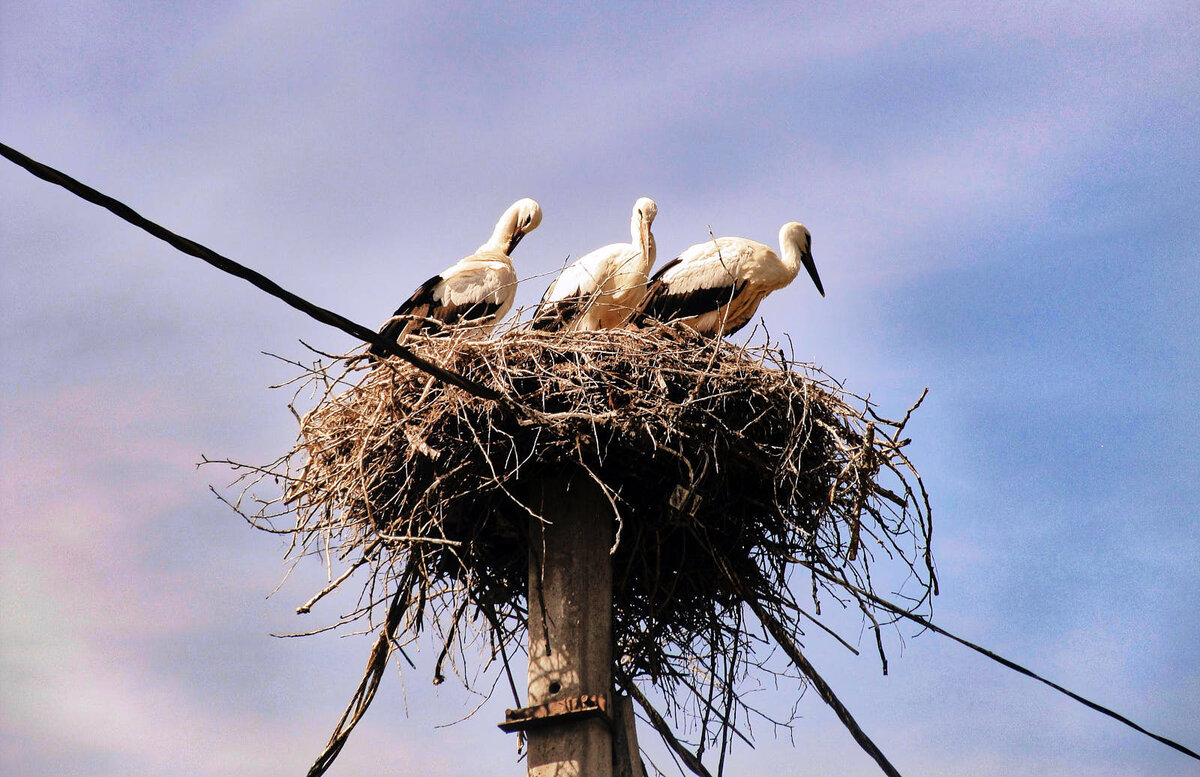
(727, 468)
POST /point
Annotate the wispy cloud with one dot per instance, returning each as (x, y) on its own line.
(352, 153)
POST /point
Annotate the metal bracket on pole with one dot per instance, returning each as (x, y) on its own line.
(589, 705)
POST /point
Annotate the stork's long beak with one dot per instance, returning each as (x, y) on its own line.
(811, 266)
(516, 238)
(645, 237)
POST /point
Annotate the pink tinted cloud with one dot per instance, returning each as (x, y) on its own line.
(89, 476)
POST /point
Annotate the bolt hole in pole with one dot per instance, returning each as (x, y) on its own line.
(555, 688)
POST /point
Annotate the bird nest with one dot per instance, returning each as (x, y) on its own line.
(728, 470)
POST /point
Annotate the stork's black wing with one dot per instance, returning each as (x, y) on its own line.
(553, 316)
(667, 305)
(665, 301)
(419, 305)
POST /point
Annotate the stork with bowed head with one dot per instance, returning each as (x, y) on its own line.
(602, 289)
(477, 290)
(715, 287)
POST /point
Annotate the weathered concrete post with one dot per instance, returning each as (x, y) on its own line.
(570, 630)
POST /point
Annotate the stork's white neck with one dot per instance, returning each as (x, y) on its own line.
(794, 243)
(502, 235)
(635, 234)
(644, 212)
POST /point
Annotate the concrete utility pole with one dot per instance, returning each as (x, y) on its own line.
(570, 633)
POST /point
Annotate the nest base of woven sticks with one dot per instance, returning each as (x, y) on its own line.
(728, 470)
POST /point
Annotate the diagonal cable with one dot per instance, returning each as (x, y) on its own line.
(192, 248)
(897, 610)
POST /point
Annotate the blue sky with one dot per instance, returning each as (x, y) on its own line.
(1004, 208)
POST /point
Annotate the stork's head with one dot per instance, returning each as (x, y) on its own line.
(521, 218)
(644, 211)
(796, 244)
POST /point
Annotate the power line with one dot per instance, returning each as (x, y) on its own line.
(1013, 665)
(192, 248)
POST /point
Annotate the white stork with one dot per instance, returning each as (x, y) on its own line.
(602, 289)
(478, 289)
(715, 287)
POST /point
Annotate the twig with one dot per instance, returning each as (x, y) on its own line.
(903, 613)
(784, 639)
(664, 729)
